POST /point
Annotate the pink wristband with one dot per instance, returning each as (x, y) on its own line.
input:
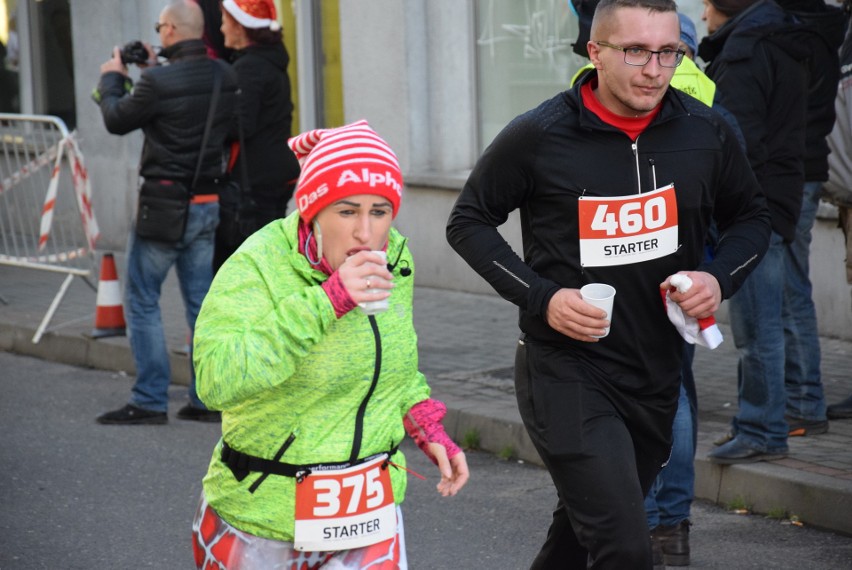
(339, 296)
(423, 424)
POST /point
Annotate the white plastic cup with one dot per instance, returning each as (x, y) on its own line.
(602, 296)
(375, 307)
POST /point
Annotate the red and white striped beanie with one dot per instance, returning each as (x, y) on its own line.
(254, 14)
(342, 162)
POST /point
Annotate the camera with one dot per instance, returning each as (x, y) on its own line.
(134, 52)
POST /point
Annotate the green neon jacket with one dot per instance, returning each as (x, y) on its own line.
(271, 355)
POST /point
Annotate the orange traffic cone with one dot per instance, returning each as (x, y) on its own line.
(109, 314)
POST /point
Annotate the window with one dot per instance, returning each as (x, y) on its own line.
(524, 56)
(44, 62)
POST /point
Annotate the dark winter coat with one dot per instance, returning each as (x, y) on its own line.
(758, 61)
(827, 24)
(170, 104)
(266, 112)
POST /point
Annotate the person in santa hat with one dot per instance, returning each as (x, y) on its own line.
(316, 392)
(264, 170)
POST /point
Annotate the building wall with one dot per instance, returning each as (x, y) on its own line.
(410, 69)
(112, 160)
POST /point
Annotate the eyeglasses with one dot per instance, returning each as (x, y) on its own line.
(640, 56)
(159, 25)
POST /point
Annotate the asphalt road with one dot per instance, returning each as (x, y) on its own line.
(77, 495)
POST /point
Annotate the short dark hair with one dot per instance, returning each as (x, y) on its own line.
(651, 5)
(263, 36)
(607, 7)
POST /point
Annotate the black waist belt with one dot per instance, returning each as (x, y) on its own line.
(241, 464)
(202, 187)
(208, 186)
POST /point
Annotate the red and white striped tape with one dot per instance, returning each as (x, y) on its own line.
(29, 168)
(82, 190)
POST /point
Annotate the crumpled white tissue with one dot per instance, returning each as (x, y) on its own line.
(704, 332)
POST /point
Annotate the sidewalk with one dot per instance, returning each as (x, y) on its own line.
(466, 350)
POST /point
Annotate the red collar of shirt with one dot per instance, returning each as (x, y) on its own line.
(632, 126)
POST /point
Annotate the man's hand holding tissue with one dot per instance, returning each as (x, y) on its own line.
(701, 300)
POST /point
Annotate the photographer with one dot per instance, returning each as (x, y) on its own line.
(182, 163)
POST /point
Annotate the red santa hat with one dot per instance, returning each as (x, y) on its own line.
(341, 162)
(254, 14)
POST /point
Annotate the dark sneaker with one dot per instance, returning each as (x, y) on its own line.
(840, 410)
(131, 415)
(735, 451)
(802, 427)
(724, 438)
(190, 412)
(674, 543)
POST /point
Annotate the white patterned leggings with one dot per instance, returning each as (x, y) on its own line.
(219, 546)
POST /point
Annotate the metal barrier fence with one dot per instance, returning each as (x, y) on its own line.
(46, 217)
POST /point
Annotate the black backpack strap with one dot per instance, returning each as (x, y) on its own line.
(214, 101)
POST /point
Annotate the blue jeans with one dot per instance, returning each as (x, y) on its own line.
(670, 499)
(758, 327)
(805, 398)
(148, 263)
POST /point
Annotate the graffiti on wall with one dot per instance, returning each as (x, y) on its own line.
(541, 29)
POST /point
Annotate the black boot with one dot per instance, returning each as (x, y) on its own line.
(131, 415)
(674, 541)
(657, 550)
(840, 410)
(190, 412)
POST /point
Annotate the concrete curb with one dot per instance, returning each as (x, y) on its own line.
(503, 438)
(818, 500)
(79, 350)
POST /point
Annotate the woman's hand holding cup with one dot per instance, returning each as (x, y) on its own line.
(367, 280)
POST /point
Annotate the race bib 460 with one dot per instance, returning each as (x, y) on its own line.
(628, 229)
(345, 508)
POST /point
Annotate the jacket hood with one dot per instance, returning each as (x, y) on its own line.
(764, 20)
(274, 54)
(829, 22)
